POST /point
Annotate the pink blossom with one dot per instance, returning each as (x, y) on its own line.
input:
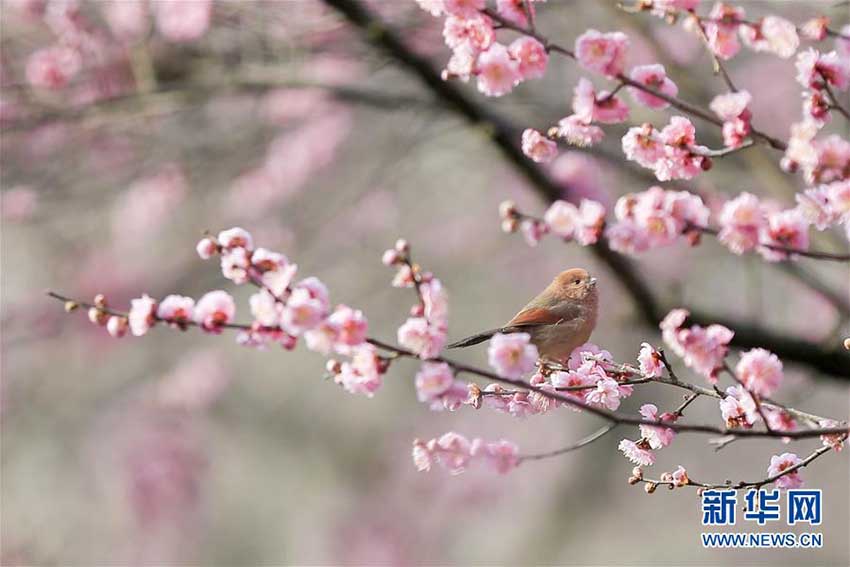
(815, 28)
(657, 437)
(538, 147)
(738, 408)
(206, 248)
(741, 222)
(788, 229)
(590, 107)
(433, 7)
(602, 52)
(497, 72)
(650, 361)
(532, 230)
(53, 67)
(721, 31)
(760, 370)
(423, 459)
(832, 160)
(142, 315)
(473, 34)
(780, 463)
(814, 67)
(463, 8)
(562, 219)
(815, 205)
(512, 355)
(774, 34)
(456, 396)
(502, 455)
(235, 263)
(655, 77)
(641, 144)
(418, 335)
(176, 309)
(702, 348)
(606, 394)
(730, 106)
(680, 476)
(350, 324)
(180, 21)
(213, 310)
(591, 219)
(453, 451)
(265, 309)
(236, 238)
(117, 326)
(461, 65)
(304, 311)
(514, 11)
(579, 133)
(833, 440)
(531, 56)
(635, 453)
(361, 375)
(433, 380)
(128, 19)
(435, 301)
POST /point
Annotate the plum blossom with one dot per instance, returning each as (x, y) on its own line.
(815, 29)
(590, 107)
(451, 450)
(680, 476)
(577, 132)
(455, 453)
(702, 348)
(350, 327)
(470, 34)
(672, 152)
(176, 309)
(636, 453)
(538, 147)
(721, 28)
(142, 315)
(583, 223)
(514, 11)
(435, 302)
(512, 355)
(657, 437)
(180, 21)
(463, 8)
(117, 326)
(213, 310)
(606, 394)
(655, 77)
(53, 67)
(787, 229)
(265, 309)
(531, 56)
(738, 408)
(602, 52)
(831, 160)
(502, 456)
(362, 374)
(235, 263)
(305, 309)
(497, 72)
(433, 380)
(833, 440)
(780, 463)
(650, 361)
(206, 248)
(814, 67)
(741, 222)
(235, 238)
(434, 7)
(733, 109)
(423, 338)
(773, 34)
(760, 370)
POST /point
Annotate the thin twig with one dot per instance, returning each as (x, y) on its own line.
(601, 432)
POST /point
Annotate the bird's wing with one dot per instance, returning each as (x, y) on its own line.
(541, 316)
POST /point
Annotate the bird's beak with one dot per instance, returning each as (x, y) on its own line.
(592, 282)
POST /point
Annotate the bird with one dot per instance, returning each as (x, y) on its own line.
(561, 318)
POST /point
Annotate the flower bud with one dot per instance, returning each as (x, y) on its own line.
(638, 472)
(333, 366)
(117, 326)
(633, 480)
(206, 247)
(73, 305)
(390, 257)
(98, 316)
(706, 163)
(401, 246)
(287, 341)
(510, 225)
(507, 209)
(650, 487)
(417, 310)
(847, 343)
(100, 300)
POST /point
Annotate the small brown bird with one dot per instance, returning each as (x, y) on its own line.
(561, 318)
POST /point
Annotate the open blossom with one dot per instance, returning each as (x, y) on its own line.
(303, 311)
(741, 221)
(117, 326)
(760, 370)
(583, 223)
(472, 34)
(650, 361)
(455, 452)
(235, 238)
(815, 29)
(235, 263)
(635, 453)
(671, 152)
(512, 355)
(350, 326)
(834, 440)
(53, 67)
(497, 72)
(514, 11)
(722, 28)
(733, 109)
(538, 147)
(788, 229)
(265, 309)
(531, 57)
(577, 132)
(774, 34)
(655, 77)
(142, 315)
(602, 52)
(780, 463)
(814, 67)
(181, 21)
(214, 309)
(591, 107)
(657, 437)
(502, 456)
(435, 301)
(423, 338)
(362, 374)
(176, 309)
(606, 394)
(641, 144)
(702, 348)
(433, 380)
(463, 8)
(831, 160)
(738, 408)
(680, 476)
(452, 450)
(206, 248)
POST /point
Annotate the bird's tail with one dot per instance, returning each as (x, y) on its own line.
(475, 339)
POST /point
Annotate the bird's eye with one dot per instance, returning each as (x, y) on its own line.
(576, 281)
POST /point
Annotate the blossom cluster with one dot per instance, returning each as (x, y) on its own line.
(702, 349)
(583, 223)
(470, 33)
(455, 453)
(672, 152)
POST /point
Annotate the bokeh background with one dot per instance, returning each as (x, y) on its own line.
(275, 116)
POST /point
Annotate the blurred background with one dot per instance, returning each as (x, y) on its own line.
(178, 117)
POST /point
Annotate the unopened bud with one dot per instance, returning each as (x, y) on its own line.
(507, 209)
(333, 366)
(117, 326)
(401, 246)
(390, 257)
(100, 300)
(633, 480)
(71, 306)
(417, 310)
(98, 316)
(638, 472)
(847, 343)
(706, 163)
(510, 225)
(475, 396)
(650, 487)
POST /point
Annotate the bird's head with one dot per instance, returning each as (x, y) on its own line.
(575, 284)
